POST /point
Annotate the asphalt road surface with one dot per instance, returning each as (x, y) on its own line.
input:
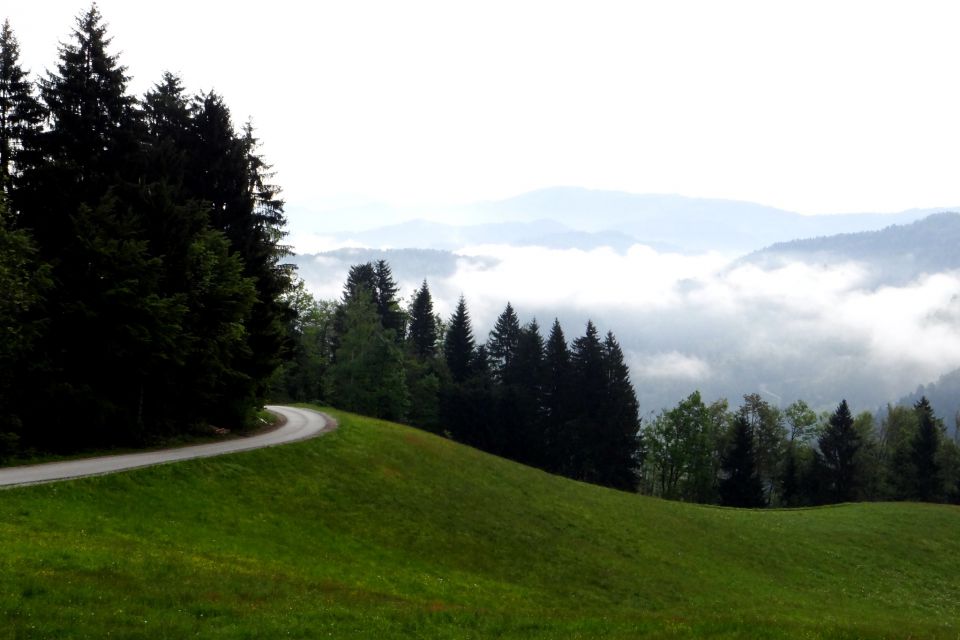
(300, 425)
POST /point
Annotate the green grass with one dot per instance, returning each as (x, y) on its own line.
(380, 531)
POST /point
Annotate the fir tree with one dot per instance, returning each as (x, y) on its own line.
(740, 485)
(92, 138)
(924, 448)
(503, 341)
(839, 444)
(24, 282)
(620, 421)
(422, 331)
(458, 346)
(589, 382)
(19, 110)
(520, 397)
(557, 400)
(368, 375)
(388, 307)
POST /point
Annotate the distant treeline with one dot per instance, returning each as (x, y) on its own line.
(571, 409)
(759, 455)
(141, 284)
(568, 409)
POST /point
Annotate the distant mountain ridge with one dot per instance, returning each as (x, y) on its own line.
(577, 218)
(896, 254)
(944, 397)
(426, 234)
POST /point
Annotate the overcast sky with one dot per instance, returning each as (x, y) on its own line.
(810, 106)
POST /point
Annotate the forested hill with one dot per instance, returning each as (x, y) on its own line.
(894, 255)
(944, 397)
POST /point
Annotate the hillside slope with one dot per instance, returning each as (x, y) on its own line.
(895, 255)
(378, 530)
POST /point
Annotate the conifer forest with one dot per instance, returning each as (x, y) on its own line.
(146, 295)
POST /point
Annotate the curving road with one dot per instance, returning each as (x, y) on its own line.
(300, 424)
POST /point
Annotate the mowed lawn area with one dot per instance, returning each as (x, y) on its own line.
(380, 531)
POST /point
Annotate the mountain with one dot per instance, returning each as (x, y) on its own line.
(572, 217)
(424, 234)
(327, 271)
(894, 255)
(695, 224)
(944, 397)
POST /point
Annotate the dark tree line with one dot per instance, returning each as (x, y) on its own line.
(569, 409)
(140, 254)
(760, 455)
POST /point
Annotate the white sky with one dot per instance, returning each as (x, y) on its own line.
(810, 106)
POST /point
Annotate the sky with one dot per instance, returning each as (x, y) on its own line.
(815, 107)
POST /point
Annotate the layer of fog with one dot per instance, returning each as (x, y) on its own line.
(701, 322)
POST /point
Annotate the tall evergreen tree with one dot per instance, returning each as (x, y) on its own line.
(24, 282)
(740, 485)
(425, 372)
(589, 380)
(388, 306)
(520, 399)
(376, 279)
(839, 444)
(368, 374)
(171, 141)
(92, 139)
(924, 448)
(503, 341)
(19, 109)
(557, 400)
(422, 331)
(458, 346)
(69, 194)
(620, 421)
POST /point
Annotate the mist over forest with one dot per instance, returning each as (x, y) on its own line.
(856, 306)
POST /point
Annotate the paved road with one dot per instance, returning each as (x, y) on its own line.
(300, 425)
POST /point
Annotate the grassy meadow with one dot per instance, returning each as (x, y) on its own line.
(382, 531)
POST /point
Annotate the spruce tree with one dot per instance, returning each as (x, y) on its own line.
(620, 421)
(458, 346)
(503, 341)
(589, 384)
(520, 399)
(839, 444)
(422, 330)
(70, 192)
(92, 139)
(24, 281)
(376, 279)
(425, 371)
(170, 135)
(557, 400)
(740, 485)
(19, 110)
(368, 375)
(924, 448)
(388, 307)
